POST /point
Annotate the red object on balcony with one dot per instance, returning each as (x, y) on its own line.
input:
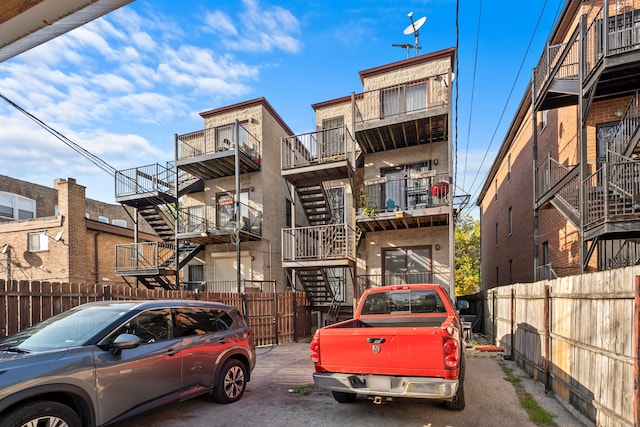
(440, 189)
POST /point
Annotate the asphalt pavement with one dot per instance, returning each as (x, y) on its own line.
(273, 398)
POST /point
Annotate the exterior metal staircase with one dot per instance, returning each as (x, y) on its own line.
(314, 204)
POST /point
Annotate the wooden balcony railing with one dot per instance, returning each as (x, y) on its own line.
(219, 216)
(326, 145)
(147, 256)
(420, 191)
(333, 241)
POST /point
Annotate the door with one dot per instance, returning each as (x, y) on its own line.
(204, 339)
(141, 374)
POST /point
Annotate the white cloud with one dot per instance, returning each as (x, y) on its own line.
(108, 82)
(262, 29)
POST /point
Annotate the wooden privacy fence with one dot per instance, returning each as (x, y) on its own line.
(577, 335)
(275, 317)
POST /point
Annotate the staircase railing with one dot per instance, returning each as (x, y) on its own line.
(626, 129)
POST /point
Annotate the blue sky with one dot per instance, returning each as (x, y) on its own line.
(121, 86)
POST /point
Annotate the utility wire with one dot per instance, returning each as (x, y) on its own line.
(473, 91)
(504, 109)
(91, 157)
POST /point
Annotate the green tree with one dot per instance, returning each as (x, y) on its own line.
(467, 254)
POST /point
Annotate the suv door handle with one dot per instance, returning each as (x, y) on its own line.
(171, 352)
(376, 340)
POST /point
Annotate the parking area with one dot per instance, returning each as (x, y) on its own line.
(271, 400)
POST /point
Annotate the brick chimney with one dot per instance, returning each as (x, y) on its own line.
(72, 207)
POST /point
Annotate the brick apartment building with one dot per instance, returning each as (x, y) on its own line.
(57, 234)
(578, 208)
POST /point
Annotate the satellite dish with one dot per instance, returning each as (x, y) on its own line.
(59, 236)
(413, 29)
(415, 26)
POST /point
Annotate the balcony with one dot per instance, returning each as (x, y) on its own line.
(320, 246)
(149, 258)
(210, 153)
(153, 184)
(613, 200)
(421, 200)
(609, 38)
(314, 157)
(210, 224)
(404, 115)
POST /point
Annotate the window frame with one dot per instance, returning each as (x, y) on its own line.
(43, 242)
(17, 202)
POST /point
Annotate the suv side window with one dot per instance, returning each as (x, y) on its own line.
(150, 326)
(200, 321)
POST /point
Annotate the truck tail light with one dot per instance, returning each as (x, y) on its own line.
(315, 348)
(450, 350)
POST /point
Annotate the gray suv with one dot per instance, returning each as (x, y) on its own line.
(102, 362)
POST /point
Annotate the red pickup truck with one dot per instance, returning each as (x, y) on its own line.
(404, 341)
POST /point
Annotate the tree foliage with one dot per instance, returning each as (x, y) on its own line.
(467, 254)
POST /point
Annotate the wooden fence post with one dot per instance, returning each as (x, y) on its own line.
(547, 338)
(494, 321)
(513, 311)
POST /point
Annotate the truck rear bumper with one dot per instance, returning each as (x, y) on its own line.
(383, 385)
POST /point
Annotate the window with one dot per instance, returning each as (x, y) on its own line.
(496, 188)
(543, 119)
(196, 273)
(119, 222)
(16, 207)
(509, 168)
(200, 321)
(496, 234)
(103, 219)
(224, 136)
(407, 265)
(37, 242)
(331, 140)
(150, 326)
(510, 221)
(404, 99)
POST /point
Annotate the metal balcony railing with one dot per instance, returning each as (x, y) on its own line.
(420, 191)
(219, 216)
(322, 146)
(145, 179)
(331, 241)
(611, 29)
(403, 99)
(145, 256)
(613, 192)
(217, 139)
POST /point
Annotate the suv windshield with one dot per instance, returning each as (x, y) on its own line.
(69, 329)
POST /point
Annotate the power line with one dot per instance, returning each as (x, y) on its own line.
(83, 152)
(474, 193)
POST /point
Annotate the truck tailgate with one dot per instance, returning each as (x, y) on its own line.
(375, 350)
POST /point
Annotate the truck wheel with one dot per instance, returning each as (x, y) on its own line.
(458, 403)
(42, 413)
(343, 397)
(232, 382)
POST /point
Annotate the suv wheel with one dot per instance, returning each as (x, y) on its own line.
(42, 413)
(231, 383)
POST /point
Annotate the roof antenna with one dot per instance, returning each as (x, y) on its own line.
(413, 28)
